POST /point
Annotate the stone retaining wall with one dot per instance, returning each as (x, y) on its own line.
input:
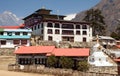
(104, 69)
(54, 71)
(8, 52)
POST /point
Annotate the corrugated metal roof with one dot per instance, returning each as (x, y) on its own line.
(51, 50)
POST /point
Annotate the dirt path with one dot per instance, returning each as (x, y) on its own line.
(11, 73)
(5, 60)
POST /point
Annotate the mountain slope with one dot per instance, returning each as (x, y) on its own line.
(7, 18)
(110, 10)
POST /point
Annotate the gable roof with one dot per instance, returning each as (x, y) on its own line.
(34, 49)
(51, 50)
(70, 52)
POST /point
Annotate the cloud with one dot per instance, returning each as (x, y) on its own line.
(70, 16)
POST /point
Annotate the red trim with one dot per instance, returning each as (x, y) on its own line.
(12, 27)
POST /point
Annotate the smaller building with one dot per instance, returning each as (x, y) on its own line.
(28, 55)
(106, 41)
(12, 37)
(99, 58)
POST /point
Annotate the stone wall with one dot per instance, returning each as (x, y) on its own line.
(104, 69)
(54, 71)
(61, 44)
(7, 51)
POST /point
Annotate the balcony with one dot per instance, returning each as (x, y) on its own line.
(67, 32)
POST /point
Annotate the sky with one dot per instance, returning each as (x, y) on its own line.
(23, 8)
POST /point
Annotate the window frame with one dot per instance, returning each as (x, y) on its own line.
(50, 38)
(3, 42)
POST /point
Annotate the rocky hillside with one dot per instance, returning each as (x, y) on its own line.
(110, 10)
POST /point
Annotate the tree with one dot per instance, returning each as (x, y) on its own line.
(83, 66)
(118, 28)
(115, 36)
(94, 16)
(66, 62)
(117, 32)
(52, 61)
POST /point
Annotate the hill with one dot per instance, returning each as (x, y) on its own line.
(110, 10)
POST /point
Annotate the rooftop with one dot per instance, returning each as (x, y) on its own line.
(12, 26)
(51, 50)
(70, 52)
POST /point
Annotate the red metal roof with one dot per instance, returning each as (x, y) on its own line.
(117, 60)
(51, 50)
(70, 52)
(118, 46)
(34, 49)
(12, 27)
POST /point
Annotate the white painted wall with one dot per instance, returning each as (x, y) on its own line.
(9, 44)
(58, 37)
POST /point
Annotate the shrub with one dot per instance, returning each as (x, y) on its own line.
(83, 66)
(51, 61)
(66, 62)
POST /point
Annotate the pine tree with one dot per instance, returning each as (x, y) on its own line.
(97, 21)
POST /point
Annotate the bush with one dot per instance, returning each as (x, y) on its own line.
(83, 66)
(52, 61)
(115, 35)
(66, 62)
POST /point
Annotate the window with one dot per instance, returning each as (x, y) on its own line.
(49, 25)
(67, 32)
(3, 42)
(38, 26)
(57, 25)
(99, 59)
(41, 25)
(84, 39)
(34, 27)
(9, 33)
(84, 26)
(50, 38)
(49, 31)
(84, 33)
(77, 26)
(57, 31)
(17, 33)
(1, 33)
(16, 41)
(23, 42)
(25, 33)
(77, 32)
(92, 59)
(42, 31)
(67, 26)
